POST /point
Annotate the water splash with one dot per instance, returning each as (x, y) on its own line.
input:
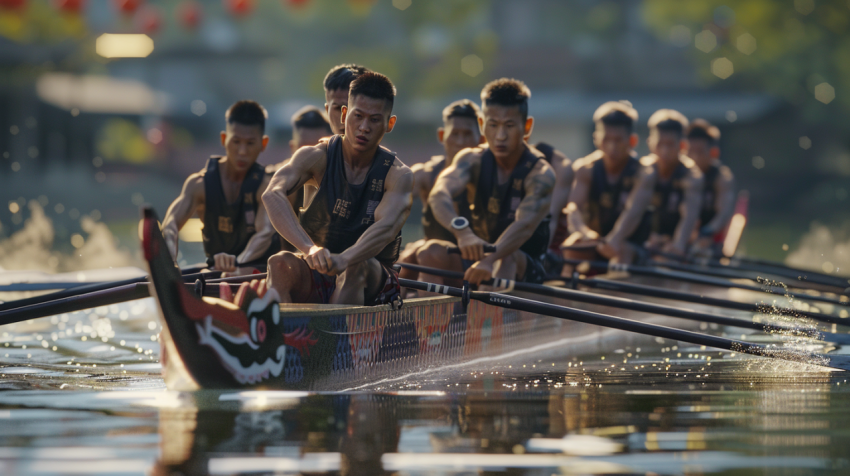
(32, 247)
(823, 250)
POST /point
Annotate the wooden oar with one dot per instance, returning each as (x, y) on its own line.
(623, 303)
(839, 362)
(698, 279)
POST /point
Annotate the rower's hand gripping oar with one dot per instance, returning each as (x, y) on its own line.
(623, 303)
(838, 362)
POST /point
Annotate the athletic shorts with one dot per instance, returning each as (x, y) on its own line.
(322, 287)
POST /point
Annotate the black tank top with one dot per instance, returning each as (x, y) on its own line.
(341, 211)
(432, 229)
(666, 199)
(496, 204)
(229, 226)
(709, 195)
(606, 201)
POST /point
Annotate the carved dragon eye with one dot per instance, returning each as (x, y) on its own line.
(261, 331)
(258, 330)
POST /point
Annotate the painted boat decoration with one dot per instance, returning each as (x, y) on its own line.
(210, 343)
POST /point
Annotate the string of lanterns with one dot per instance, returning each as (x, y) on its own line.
(147, 17)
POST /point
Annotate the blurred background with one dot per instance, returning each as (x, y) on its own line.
(108, 104)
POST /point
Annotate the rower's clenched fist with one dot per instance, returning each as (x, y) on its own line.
(479, 272)
(224, 262)
(471, 246)
(318, 258)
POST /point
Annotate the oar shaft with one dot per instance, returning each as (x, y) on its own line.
(624, 303)
(588, 317)
(697, 279)
(104, 297)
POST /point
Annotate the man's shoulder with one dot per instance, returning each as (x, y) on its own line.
(587, 161)
(470, 154)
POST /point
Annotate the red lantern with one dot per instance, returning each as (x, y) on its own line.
(70, 6)
(239, 8)
(128, 7)
(148, 20)
(190, 14)
(12, 4)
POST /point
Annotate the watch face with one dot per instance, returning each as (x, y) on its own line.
(459, 223)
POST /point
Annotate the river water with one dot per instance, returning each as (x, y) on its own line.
(81, 394)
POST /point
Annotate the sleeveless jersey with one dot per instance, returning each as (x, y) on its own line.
(666, 199)
(709, 195)
(229, 226)
(341, 211)
(496, 204)
(432, 229)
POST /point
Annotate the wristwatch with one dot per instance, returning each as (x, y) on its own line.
(459, 223)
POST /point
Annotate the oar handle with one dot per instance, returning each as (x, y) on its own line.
(256, 263)
(454, 250)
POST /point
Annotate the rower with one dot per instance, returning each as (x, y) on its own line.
(562, 166)
(459, 131)
(309, 126)
(678, 181)
(336, 85)
(718, 194)
(611, 191)
(350, 234)
(512, 192)
(227, 194)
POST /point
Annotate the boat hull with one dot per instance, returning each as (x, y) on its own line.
(208, 343)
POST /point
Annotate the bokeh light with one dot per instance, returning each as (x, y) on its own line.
(746, 44)
(402, 4)
(705, 41)
(722, 67)
(472, 65)
(805, 143)
(825, 93)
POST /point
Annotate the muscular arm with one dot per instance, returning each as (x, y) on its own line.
(181, 210)
(561, 194)
(451, 183)
(688, 211)
(307, 164)
(724, 201)
(390, 216)
(635, 208)
(579, 194)
(259, 243)
(531, 211)
(421, 182)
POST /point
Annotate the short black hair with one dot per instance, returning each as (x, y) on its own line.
(461, 108)
(507, 92)
(702, 129)
(310, 117)
(247, 113)
(373, 85)
(341, 76)
(668, 120)
(616, 113)
(547, 150)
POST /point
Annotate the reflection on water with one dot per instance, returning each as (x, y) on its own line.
(81, 394)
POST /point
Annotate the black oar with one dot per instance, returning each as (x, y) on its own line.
(623, 303)
(84, 289)
(189, 274)
(695, 278)
(839, 362)
(766, 267)
(796, 282)
(106, 297)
